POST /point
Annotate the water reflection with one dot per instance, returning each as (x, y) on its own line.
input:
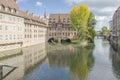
(8, 73)
(63, 62)
(25, 60)
(115, 57)
(78, 59)
(82, 63)
(33, 56)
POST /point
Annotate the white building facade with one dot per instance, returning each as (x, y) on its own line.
(18, 28)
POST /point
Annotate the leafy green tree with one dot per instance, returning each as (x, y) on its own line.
(91, 20)
(79, 20)
(91, 24)
(105, 31)
(83, 21)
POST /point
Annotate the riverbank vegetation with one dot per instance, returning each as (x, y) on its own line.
(83, 21)
(105, 31)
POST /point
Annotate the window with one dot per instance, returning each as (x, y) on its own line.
(14, 19)
(14, 37)
(63, 33)
(14, 28)
(6, 9)
(0, 27)
(10, 37)
(0, 16)
(12, 10)
(1, 37)
(6, 27)
(21, 36)
(6, 37)
(10, 18)
(17, 12)
(18, 36)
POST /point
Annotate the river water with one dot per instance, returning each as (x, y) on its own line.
(62, 62)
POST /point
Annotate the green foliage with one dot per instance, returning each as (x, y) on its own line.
(91, 24)
(91, 21)
(83, 21)
(105, 30)
(79, 17)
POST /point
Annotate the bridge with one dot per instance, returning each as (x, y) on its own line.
(52, 39)
(100, 36)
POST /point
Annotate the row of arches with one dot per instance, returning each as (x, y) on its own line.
(62, 40)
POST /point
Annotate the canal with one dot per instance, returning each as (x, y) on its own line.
(62, 62)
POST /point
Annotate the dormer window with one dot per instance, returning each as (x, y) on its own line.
(12, 10)
(6, 9)
(9, 9)
(17, 12)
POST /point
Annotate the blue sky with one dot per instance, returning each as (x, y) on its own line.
(50, 6)
(103, 9)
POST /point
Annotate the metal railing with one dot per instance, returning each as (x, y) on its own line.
(2, 77)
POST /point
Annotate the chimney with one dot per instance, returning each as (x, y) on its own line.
(27, 12)
(16, 1)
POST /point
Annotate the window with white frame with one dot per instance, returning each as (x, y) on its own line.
(17, 12)
(12, 10)
(6, 27)
(0, 16)
(10, 37)
(1, 37)
(10, 18)
(0, 27)
(6, 37)
(6, 9)
(14, 37)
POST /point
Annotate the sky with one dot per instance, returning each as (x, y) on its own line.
(103, 9)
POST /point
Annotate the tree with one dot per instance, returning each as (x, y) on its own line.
(105, 31)
(91, 24)
(79, 20)
(91, 20)
(92, 34)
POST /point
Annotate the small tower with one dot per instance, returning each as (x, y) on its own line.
(59, 20)
(45, 16)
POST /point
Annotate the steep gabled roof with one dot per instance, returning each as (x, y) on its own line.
(10, 3)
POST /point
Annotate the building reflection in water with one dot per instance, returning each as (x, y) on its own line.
(33, 56)
(79, 60)
(115, 58)
(25, 59)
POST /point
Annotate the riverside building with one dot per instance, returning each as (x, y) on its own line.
(19, 28)
(115, 37)
(59, 26)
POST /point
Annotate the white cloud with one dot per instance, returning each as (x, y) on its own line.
(71, 2)
(39, 4)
